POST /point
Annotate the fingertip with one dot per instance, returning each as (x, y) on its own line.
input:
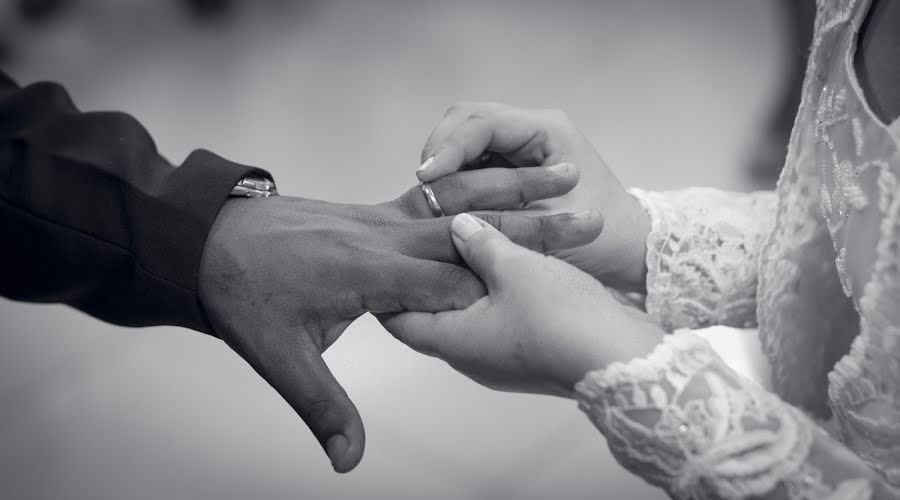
(591, 216)
(423, 171)
(564, 169)
(587, 226)
(601, 221)
(567, 177)
(575, 174)
(464, 226)
(433, 168)
(336, 448)
(427, 176)
(444, 162)
(345, 449)
(343, 453)
(565, 231)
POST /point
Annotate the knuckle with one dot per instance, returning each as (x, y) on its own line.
(521, 184)
(493, 220)
(448, 188)
(479, 115)
(505, 225)
(317, 410)
(453, 275)
(557, 115)
(429, 345)
(560, 121)
(521, 174)
(349, 300)
(398, 278)
(452, 144)
(541, 136)
(456, 108)
(543, 227)
(404, 203)
(425, 348)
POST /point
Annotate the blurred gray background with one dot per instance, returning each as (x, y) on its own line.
(336, 100)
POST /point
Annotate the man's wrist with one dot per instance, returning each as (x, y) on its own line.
(221, 249)
(227, 219)
(254, 187)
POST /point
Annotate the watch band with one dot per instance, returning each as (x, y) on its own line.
(254, 187)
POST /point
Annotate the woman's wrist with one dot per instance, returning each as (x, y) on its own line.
(639, 225)
(634, 336)
(629, 245)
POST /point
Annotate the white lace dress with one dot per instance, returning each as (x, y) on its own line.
(816, 267)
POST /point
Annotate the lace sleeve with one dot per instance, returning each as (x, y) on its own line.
(702, 255)
(682, 420)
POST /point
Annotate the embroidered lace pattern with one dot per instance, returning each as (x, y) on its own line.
(702, 255)
(680, 418)
(864, 386)
(684, 421)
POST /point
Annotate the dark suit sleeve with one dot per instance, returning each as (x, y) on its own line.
(95, 218)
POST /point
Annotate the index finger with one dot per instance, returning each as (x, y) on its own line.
(522, 138)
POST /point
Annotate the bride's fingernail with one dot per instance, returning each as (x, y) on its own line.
(425, 165)
(464, 226)
(561, 168)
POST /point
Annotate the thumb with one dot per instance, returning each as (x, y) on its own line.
(298, 373)
(325, 407)
(482, 247)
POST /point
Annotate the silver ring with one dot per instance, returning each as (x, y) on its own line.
(432, 200)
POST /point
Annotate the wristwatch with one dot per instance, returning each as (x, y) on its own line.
(254, 187)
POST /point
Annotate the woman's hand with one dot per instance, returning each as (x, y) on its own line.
(491, 138)
(542, 326)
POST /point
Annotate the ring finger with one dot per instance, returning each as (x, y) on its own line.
(502, 188)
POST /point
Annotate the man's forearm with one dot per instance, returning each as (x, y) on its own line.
(95, 217)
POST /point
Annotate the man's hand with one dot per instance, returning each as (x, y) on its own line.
(282, 278)
(487, 140)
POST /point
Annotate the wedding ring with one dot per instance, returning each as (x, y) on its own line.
(432, 200)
